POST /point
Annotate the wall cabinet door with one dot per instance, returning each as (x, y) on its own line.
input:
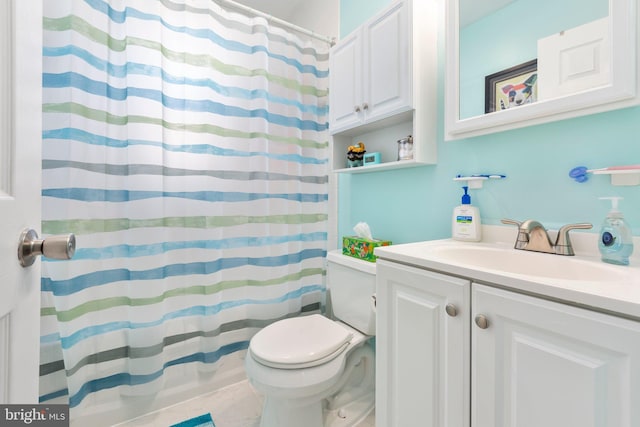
(345, 95)
(422, 348)
(542, 363)
(387, 78)
(371, 71)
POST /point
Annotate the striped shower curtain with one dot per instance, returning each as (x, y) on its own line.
(186, 147)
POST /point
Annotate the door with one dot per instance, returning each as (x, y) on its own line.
(422, 348)
(541, 363)
(20, 165)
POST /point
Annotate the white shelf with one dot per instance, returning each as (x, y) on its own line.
(382, 166)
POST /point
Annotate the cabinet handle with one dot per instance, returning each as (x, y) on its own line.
(365, 106)
(451, 310)
(357, 108)
(482, 321)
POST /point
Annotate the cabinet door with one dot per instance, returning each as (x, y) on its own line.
(388, 64)
(345, 96)
(541, 363)
(422, 353)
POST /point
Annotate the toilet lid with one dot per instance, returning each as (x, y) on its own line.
(299, 342)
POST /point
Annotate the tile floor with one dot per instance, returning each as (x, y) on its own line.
(237, 405)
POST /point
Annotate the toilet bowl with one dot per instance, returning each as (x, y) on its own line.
(314, 371)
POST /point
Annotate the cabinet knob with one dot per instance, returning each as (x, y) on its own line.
(365, 106)
(357, 108)
(482, 321)
(451, 310)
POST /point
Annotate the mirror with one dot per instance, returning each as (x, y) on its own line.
(505, 35)
(511, 63)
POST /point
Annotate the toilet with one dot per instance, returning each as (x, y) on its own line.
(314, 371)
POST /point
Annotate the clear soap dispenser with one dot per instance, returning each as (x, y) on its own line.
(616, 241)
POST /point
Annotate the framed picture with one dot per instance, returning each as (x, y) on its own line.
(512, 87)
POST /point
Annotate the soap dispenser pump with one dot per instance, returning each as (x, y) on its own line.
(466, 224)
(616, 241)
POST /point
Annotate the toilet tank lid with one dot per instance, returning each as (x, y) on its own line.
(299, 340)
(348, 261)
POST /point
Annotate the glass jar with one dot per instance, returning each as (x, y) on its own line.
(405, 148)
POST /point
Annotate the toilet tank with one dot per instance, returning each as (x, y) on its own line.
(351, 283)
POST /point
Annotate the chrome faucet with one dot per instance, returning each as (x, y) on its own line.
(532, 236)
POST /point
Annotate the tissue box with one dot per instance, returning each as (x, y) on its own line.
(358, 247)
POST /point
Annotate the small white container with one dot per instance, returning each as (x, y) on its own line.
(466, 224)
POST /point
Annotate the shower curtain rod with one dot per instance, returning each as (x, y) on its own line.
(278, 21)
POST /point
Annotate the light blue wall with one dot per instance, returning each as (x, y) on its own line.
(415, 204)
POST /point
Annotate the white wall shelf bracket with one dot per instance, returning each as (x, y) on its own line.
(475, 181)
(622, 177)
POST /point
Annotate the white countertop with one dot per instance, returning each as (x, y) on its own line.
(621, 296)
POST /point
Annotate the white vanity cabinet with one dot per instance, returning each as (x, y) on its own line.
(422, 348)
(543, 363)
(371, 70)
(500, 359)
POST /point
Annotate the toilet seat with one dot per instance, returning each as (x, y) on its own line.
(300, 342)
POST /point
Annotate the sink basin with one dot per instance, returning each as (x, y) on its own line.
(520, 262)
(582, 279)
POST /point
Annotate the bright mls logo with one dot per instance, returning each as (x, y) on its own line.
(34, 415)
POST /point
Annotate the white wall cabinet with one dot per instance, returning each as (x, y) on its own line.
(384, 74)
(533, 362)
(371, 71)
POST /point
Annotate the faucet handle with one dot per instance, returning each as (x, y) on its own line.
(511, 222)
(523, 238)
(580, 225)
(563, 244)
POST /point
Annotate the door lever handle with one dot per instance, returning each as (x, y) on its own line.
(56, 247)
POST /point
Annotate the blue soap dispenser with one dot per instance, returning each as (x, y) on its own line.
(616, 241)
